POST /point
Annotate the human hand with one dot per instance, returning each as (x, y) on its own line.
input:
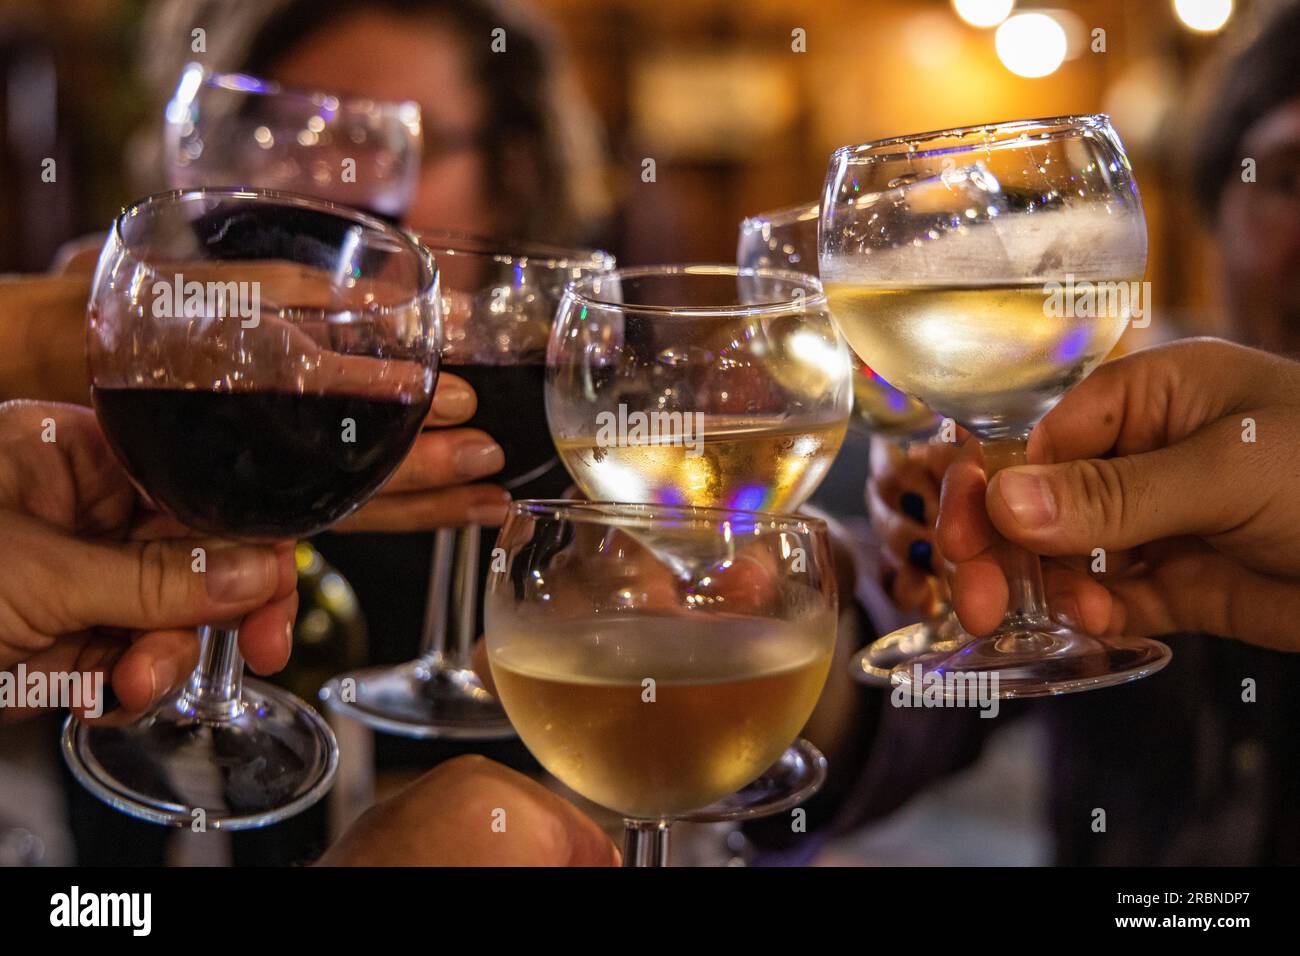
(902, 497)
(470, 811)
(1149, 460)
(92, 579)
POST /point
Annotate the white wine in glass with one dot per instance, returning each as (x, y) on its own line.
(737, 463)
(651, 691)
(730, 694)
(985, 271)
(727, 387)
(983, 355)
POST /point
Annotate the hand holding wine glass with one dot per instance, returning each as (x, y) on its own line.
(68, 512)
(264, 397)
(986, 271)
(1148, 460)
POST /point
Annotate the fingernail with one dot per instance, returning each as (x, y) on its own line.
(288, 639)
(453, 400)
(162, 674)
(238, 574)
(489, 515)
(1028, 497)
(920, 555)
(913, 506)
(474, 459)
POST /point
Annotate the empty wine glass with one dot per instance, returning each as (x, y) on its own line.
(499, 303)
(648, 691)
(230, 129)
(952, 261)
(260, 363)
(787, 238)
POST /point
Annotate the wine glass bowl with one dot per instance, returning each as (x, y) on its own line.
(230, 129)
(647, 692)
(986, 270)
(710, 386)
(260, 363)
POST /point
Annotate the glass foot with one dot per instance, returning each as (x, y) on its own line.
(875, 662)
(796, 776)
(1035, 664)
(271, 760)
(422, 699)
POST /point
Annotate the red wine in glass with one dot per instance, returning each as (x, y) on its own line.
(257, 464)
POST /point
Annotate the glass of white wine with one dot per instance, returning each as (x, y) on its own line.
(985, 271)
(707, 386)
(787, 238)
(648, 691)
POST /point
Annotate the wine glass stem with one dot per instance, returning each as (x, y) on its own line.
(645, 842)
(451, 614)
(1026, 604)
(215, 688)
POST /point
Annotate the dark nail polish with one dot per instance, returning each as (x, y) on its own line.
(913, 506)
(920, 555)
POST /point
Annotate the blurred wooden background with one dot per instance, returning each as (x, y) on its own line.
(736, 120)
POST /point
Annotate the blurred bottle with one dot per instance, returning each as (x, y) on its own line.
(329, 637)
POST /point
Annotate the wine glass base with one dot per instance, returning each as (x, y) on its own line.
(796, 776)
(419, 699)
(875, 662)
(1033, 664)
(273, 759)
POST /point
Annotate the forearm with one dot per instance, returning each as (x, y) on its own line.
(43, 338)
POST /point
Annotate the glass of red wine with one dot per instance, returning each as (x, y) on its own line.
(260, 363)
(499, 302)
(230, 129)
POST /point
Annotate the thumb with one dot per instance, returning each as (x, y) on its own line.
(167, 583)
(1189, 488)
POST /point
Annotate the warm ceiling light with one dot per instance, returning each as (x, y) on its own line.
(983, 13)
(1203, 16)
(1031, 44)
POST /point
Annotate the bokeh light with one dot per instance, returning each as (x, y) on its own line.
(1031, 44)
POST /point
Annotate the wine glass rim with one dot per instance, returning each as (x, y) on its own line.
(628, 514)
(1056, 126)
(800, 212)
(175, 197)
(523, 253)
(238, 82)
(586, 292)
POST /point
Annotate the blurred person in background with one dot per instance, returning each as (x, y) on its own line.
(1186, 770)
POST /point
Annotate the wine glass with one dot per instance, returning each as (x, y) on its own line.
(230, 129)
(499, 303)
(260, 363)
(708, 386)
(788, 238)
(948, 258)
(652, 692)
